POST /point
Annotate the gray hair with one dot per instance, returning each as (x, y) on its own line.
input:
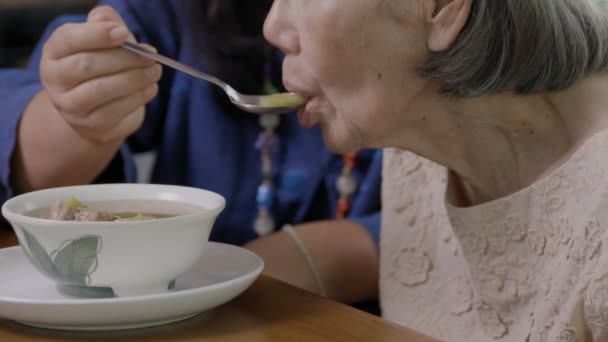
(523, 46)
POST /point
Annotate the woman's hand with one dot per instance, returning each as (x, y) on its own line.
(99, 88)
(94, 96)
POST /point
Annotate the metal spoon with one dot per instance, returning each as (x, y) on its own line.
(258, 104)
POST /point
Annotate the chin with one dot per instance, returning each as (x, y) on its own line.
(339, 143)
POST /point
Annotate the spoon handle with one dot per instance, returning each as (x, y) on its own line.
(172, 63)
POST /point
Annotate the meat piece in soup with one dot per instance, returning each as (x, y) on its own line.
(74, 210)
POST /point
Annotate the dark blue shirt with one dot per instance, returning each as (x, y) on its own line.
(201, 143)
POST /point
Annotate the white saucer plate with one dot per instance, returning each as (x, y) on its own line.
(223, 272)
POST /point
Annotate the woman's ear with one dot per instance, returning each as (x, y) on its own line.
(446, 20)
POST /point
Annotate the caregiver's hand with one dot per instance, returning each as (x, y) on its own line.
(99, 88)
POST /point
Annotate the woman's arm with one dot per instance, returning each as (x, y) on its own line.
(93, 98)
(49, 153)
(344, 253)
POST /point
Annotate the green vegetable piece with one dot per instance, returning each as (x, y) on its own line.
(73, 202)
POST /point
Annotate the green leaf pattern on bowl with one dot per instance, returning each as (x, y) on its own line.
(76, 259)
(37, 254)
(73, 262)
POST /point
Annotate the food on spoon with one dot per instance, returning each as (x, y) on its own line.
(283, 100)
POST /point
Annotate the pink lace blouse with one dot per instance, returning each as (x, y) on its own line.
(532, 266)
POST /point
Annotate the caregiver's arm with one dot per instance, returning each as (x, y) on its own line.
(344, 252)
(93, 98)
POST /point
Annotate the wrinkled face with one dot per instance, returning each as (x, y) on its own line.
(356, 60)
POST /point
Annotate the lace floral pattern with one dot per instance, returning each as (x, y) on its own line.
(596, 301)
(515, 229)
(413, 176)
(557, 236)
(460, 296)
(491, 322)
(486, 272)
(503, 276)
(415, 266)
(536, 241)
(587, 247)
(566, 333)
(476, 243)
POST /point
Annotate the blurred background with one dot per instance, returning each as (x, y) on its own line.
(22, 22)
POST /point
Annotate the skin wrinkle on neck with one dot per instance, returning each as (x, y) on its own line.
(513, 137)
(506, 151)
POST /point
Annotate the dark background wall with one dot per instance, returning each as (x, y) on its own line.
(22, 22)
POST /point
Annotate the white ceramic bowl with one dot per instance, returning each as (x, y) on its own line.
(118, 258)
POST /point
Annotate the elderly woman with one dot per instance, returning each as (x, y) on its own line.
(494, 223)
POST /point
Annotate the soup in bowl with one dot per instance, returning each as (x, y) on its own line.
(114, 239)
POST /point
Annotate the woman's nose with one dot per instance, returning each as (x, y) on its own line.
(279, 28)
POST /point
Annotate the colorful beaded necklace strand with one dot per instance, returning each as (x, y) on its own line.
(346, 184)
(267, 143)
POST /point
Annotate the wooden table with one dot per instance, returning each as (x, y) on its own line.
(268, 311)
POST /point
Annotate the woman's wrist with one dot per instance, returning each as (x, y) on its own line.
(308, 257)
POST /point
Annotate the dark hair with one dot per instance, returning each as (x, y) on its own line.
(524, 46)
(228, 37)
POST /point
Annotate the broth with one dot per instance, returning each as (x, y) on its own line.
(114, 210)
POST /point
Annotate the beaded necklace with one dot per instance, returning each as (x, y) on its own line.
(346, 185)
(267, 143)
